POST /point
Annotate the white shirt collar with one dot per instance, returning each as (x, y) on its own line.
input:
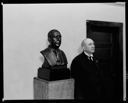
(88, 54)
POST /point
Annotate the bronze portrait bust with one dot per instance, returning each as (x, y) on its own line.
(55, 61)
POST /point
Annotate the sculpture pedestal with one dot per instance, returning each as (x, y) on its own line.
(56, 73)
(59, 89)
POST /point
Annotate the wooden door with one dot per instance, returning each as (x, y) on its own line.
(108, 42)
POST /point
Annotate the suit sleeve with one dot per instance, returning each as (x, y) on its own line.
(74, 69)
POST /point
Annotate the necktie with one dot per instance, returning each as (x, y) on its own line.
(91, 58)
(57, 56)
(55, 52)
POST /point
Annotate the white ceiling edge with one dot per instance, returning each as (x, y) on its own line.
(120, 4)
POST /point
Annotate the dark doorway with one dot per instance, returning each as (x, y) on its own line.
(109, 51)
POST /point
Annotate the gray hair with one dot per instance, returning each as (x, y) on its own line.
(84, 42)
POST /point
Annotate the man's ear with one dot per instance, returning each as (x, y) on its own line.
(83, 48)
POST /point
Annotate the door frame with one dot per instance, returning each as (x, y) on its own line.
(119, 25)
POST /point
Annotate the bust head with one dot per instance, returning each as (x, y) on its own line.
(54, 38)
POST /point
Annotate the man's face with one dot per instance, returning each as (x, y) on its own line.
(89, 46)
(56, 40)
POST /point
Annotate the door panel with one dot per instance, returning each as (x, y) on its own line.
(102, 37)
(108, 42)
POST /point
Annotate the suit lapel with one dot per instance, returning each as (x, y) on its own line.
(88, 63)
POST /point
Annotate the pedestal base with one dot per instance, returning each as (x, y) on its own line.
(53, 74)
(60, 89)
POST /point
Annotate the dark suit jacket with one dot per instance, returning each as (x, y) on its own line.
(88, 78)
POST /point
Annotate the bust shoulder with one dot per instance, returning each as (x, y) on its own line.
(61, 51)
(58, 58)
(48, 51)
(45, 51)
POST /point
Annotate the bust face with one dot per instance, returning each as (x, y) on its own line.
(56, 40)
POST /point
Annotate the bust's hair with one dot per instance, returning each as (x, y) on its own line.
(50, 33)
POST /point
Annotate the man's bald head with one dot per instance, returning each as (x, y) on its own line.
(88, 45)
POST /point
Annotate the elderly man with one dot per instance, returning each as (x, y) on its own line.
(87, 75)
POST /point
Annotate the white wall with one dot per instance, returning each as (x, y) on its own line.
(25, 28)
